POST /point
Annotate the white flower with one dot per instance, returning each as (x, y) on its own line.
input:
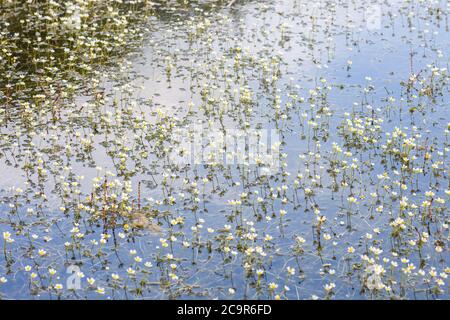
(273, 286)
(6, 235)
(329, 287)
(291, 271)
(351, 199)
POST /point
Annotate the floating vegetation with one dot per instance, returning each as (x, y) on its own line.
(224, 149)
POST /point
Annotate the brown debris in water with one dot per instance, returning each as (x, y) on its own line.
(140, 220)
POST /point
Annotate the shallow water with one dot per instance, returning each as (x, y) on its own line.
(325, 224)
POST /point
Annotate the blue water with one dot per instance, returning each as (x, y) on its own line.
(309, 52)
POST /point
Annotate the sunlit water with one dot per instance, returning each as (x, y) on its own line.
(354, 206)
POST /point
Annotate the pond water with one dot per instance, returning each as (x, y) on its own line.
(263, 150)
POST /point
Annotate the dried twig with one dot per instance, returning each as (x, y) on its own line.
(231, 3)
